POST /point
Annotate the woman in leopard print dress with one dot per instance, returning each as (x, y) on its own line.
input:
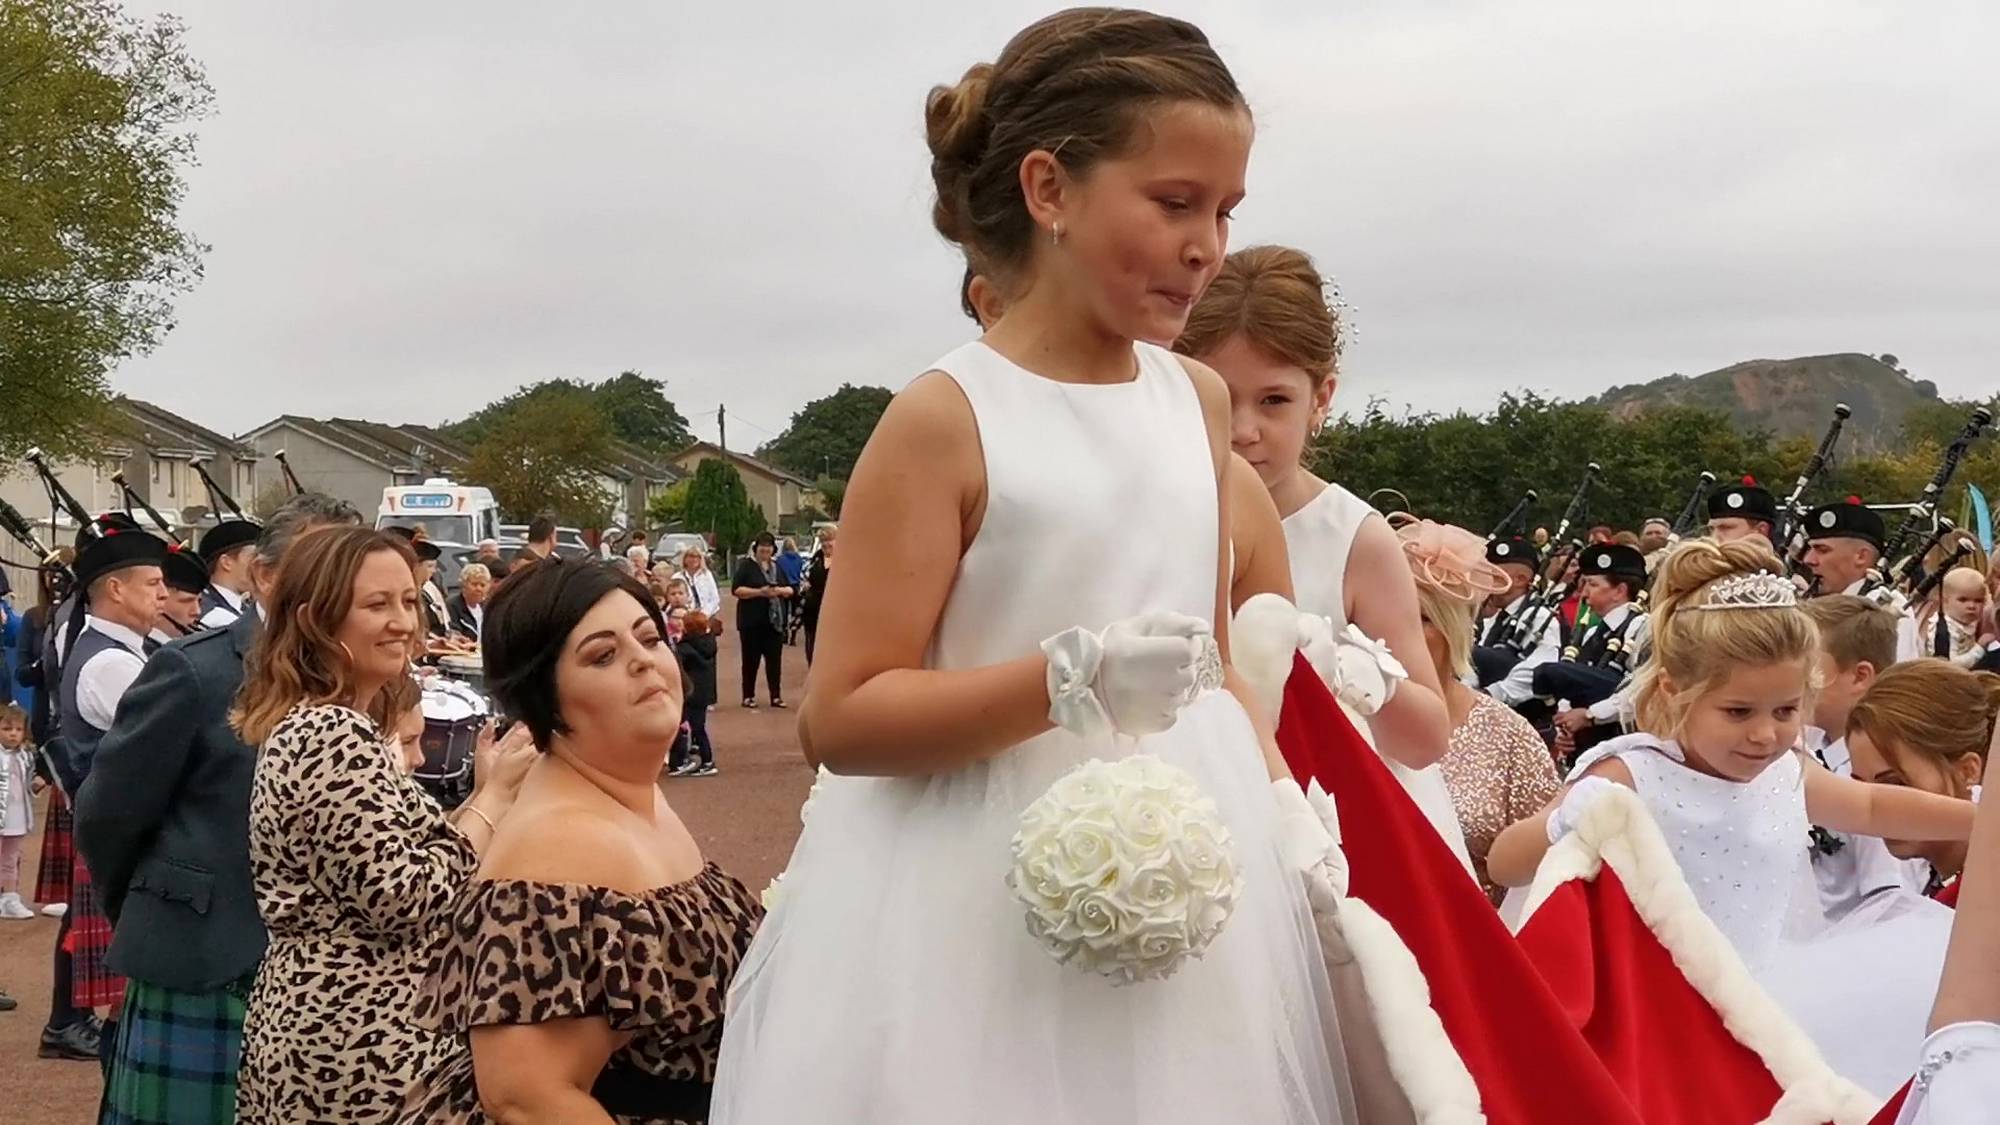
(585, 972)
(354, 867)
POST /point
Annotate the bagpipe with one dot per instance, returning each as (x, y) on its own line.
(1516, 516)
(1910, 573)
(1691, 511)
(46, 561)
(1524, 630)
(292, 485)
(218, 498)
(1792, 509)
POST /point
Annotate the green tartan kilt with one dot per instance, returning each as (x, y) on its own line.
(176, 1056)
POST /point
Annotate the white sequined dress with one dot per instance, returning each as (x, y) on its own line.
(1860, 986)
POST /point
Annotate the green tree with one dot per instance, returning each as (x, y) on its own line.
(826, 435)
(95, 110)
(630, 407)
(834, 491)
(669, 508)
(640, 413)
(718, 504)
(544, 457)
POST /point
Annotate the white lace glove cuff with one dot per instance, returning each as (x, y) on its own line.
(1574, 804)
(1302, 836)
(1361, 670)
(1074, 657)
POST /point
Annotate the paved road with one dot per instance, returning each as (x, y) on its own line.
(746, 819)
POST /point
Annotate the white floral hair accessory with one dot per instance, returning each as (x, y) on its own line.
(1749, 591)
(1125, 868)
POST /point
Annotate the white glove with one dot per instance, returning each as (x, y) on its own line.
(1361, 670)
(1575, 803)
(1133, 678)
(1309, 842)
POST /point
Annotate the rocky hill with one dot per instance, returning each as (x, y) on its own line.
(1791, 397)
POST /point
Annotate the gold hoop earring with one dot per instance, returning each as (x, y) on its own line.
(348, 652)
(1318, 428)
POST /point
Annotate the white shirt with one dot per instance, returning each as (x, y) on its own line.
(1617, 707)
(707, 596)
(1863, 864)
(478, 619)
(102, 682)
(1518, 686)
(229, 611)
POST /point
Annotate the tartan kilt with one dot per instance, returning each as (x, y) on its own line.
(58, 850)
(176, 1056)
(92, 983)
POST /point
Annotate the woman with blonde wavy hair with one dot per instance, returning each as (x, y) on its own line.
(1498, 769)
(353, 865)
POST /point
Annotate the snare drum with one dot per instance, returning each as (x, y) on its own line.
(466, 668)
(453, 716)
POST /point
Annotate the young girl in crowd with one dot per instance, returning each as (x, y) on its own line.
(1926, 725)
(1089, 172)
(17, 806)
(694, 755)
(1716, 763)
(1266, 327)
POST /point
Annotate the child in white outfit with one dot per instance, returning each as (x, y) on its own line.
(17, 807)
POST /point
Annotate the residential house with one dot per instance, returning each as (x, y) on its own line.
(156, 450)
(781, 494)
(633, 478)
(351, 459)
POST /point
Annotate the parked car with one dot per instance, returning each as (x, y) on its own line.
(569, 541)
(670, 545)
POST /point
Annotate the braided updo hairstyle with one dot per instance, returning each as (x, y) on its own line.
(1075, 84)
(1274, 296)
(1695, 651)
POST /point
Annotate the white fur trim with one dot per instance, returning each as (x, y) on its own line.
(1425, 1064)
(1262, 638)
(1616, 830)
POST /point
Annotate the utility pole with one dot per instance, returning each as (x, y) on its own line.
(722, 427)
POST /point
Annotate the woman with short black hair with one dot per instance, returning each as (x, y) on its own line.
(584, 970)
(763, 601)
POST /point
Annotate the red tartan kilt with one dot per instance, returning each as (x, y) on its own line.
(92, 983)
(58, 850)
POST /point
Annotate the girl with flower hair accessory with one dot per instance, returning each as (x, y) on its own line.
(1717, 766)
(1497, 770)
(1270, 328)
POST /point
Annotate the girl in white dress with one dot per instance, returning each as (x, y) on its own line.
(1266, 328)
(1717, 764)
(1089, 173)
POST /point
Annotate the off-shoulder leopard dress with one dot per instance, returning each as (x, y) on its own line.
(657, 964)
(355, 871)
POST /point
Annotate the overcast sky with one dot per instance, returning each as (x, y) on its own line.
(416, 208)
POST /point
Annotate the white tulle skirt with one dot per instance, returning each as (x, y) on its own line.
(895, 982)
(1862, 987)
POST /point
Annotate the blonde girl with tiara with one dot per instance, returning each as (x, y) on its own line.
(1717, 765)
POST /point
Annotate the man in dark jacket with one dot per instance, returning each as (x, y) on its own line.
(163, 821)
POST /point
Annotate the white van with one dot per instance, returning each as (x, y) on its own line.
(449, 513)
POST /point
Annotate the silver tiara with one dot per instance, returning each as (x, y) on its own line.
(1750, 591)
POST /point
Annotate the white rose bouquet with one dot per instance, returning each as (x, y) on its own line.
(1125, 869)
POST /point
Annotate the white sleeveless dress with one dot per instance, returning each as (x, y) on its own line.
(1319, 537)
(1861, 986)
(895, 980)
